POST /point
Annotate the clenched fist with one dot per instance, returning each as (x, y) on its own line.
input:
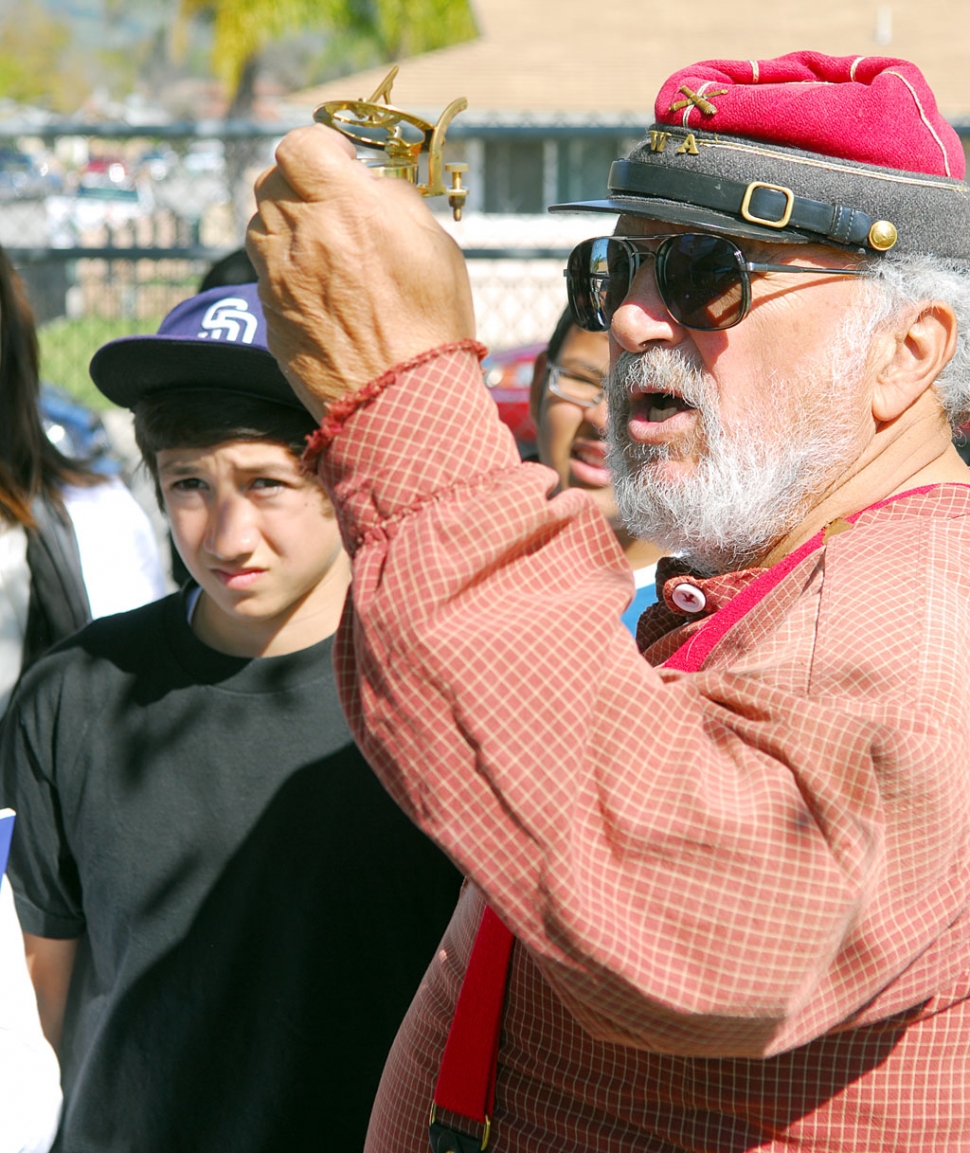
(355, 274)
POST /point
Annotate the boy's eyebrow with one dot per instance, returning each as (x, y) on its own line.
(260, 467)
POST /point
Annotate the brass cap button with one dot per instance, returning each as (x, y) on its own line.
(882, 235)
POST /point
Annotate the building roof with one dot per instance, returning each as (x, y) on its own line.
(547, 60)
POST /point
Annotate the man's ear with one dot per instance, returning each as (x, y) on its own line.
(924, 345)
(538, 383)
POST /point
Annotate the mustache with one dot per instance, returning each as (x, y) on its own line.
(668, 370)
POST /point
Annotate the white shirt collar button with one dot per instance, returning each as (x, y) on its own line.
(688, 598)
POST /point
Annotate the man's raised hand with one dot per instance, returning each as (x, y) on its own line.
(355, 274)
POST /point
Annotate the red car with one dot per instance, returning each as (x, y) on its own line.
(508, 376)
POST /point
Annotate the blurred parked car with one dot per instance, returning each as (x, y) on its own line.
(508, 376)
(194, 182)
(157, 163)
(105, 172)
(205, 156)
(76, 430)
(24, 177)
(105, 196)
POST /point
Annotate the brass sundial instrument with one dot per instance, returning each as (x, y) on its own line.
(402, 137)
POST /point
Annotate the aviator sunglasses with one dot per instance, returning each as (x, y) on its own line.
(704, 281)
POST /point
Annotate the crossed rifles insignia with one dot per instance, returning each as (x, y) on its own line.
(700, 102)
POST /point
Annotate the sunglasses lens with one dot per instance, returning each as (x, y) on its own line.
(702, 281)
(598, 277)
(586, 280)
(621, 271)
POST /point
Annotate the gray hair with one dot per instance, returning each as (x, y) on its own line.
(902, 281)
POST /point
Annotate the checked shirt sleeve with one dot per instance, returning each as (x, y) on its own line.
(707, 864)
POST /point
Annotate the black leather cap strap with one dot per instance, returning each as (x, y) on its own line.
(768, 205)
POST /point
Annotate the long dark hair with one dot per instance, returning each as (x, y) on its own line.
(29, 463)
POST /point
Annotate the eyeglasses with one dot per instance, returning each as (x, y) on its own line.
(568, 384)
(704, 281)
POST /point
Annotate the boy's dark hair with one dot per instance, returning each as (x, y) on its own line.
(206, 417)
(236, 268)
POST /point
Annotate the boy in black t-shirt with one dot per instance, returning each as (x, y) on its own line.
(225, 914)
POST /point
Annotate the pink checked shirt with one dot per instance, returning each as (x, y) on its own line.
(740, 895)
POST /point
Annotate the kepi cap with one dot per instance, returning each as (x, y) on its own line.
(216, 340)
(848, 151)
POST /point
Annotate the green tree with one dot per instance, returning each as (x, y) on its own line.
(42, 62)
(403, 28)
(391, 29)
(36, 64)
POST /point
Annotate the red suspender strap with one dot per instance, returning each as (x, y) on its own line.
(469, 1066)
(466, 1079)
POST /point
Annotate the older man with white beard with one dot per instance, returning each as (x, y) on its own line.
(754, 478)
(719, 897)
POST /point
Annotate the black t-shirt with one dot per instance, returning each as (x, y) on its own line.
(255, 913)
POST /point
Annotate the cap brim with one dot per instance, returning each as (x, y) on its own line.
(133, 367)
(676, 212)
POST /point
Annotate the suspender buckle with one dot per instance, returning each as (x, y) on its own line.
(445, 1140)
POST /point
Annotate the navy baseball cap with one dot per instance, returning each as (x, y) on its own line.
(216, 340)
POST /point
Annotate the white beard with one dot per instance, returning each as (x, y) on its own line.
(753, 482)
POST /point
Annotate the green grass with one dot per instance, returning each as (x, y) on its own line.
(66, 348)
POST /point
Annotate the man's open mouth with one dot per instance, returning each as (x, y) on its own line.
(661, 406)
